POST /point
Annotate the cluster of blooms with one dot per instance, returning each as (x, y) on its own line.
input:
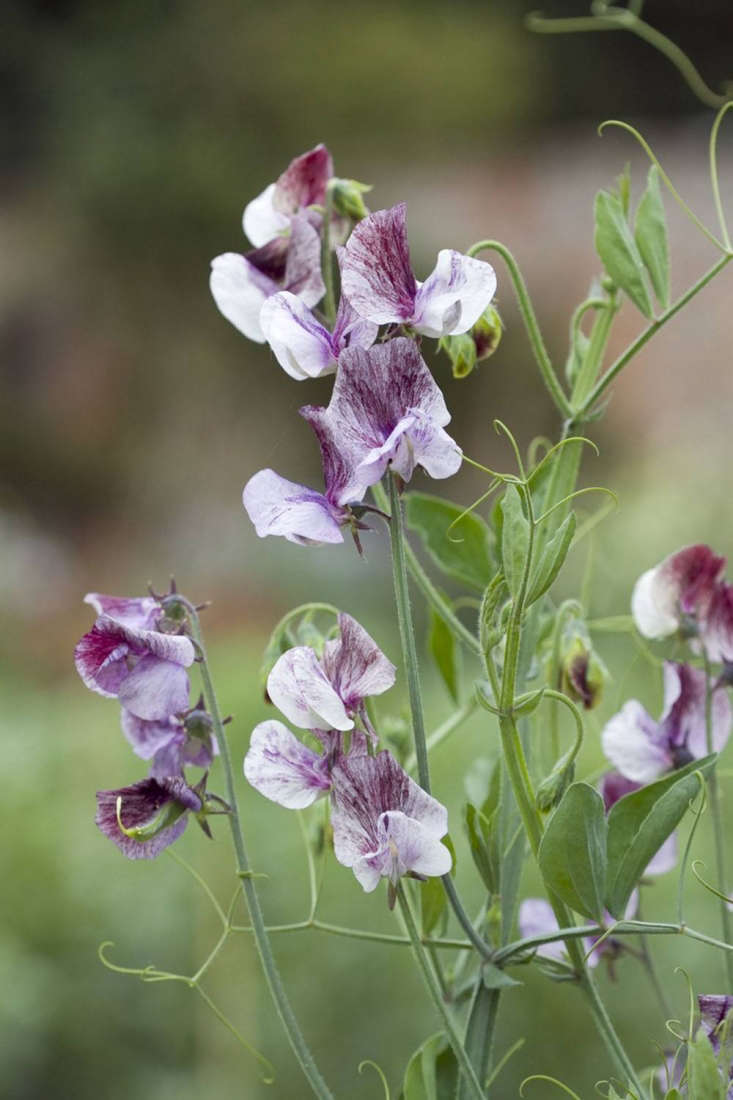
(682, 595)
(384, 824)
(385, 409)
(137, 652)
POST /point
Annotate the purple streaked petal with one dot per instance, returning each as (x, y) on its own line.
(261, 221)
(351, 330)
(395, 451)
(280, 507)
(301, 345)
(631, 742)
(355, 665)
(717, 630)
(101, 660)
(682, 583)
(141, 613)
(454, 296)
(403, 845)
(303, 263)
(536, 918)
(342, 482)
(284, 770)
(303, 183)
(155, 688)
(714, 1009)
(683, 722)
(239, 290)
(299, 687)
(141, 804)
(376, 275)
(148, 738)
(432, 448)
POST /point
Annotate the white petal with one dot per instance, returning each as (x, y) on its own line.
(299, 343)
(239, 291)
(283, 769)
(280, 507)
(628, 742)
(261, 221)
(455, 295)
(654, 604)
(299, 688)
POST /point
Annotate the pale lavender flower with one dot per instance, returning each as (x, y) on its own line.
(642, 749)
(614, 786)
(378, 281)
(153, 814)
(536, 918)
(285, 770)
(241, 284)
(327, 693)
(300, 187)
(679, 588)
(171, 743)
(124, 656)
(385, 411)
(304, 347)
(717, 1022)
(304, 516)
(384, 824)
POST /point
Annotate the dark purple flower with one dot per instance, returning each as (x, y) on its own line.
(327, 693)
(613, 787)
(304, 347)
(285, 770)
(643, 749)
(377, 279)
(124, 656)
(301, 186)
(679, 587)
(171, 743)
(385, 410)
(384, 824)
(153, 813)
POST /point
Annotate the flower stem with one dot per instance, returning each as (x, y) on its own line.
(431, 982)
(329, 300)
(244, 872)
(717, 819)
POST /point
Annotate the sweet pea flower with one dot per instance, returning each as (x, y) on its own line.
(328, 693)
(536, 918)
(384, 824)
(147, 817)
(377, 279)
(385, 411)
(241, 284)
(717, 1023)
(302, 515)
(171, 743)
(680, 587)
(643, 750)
(124, 656)
(285, 770)
(304, 347)
(301, 186)
(613, 787)
(717, 630)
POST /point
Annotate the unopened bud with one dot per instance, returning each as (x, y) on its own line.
(582, 671)
(347, 198)
(469, 348)
(198, 723)
(551, 789)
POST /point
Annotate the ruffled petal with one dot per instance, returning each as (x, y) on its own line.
(376, 275)
(432, 448)
(351, 330)
(283, 769)
(303, 263)
(239, 290)
(141, 613)
(261, 221)
(300, 344)
(101, 660)
(299, 687)
(280, 507)
(630, 741)
(148, 738)
(140, 805)
(303, 183)
(683, 582)
(155, 689)
(355, 665)
(454, 296)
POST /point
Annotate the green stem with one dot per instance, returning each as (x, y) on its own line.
(593, 358)
(504, 955)
(714, 181)
(541, 355)
(329, 299)
(603, 383)
(717, 819)
(431, 982)
(279, 996)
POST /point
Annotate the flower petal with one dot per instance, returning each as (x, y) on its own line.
(300, 344)
(239, 290)
(148, 738)
(376, 275)
(303, 263)
(355, 665)
(454, 296)
(717, 630)
(261, 221)
(303, 183)
(140, 613)
(155, 689)
(298, 687)
(536, 918)
(351, 330)
(631, 742)
(101, 660)
(283, 769)
(280, 507)
(683, 582)
(140, 804)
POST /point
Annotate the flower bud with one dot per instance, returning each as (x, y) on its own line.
(347, 198)
(469, 348)
(551, 789)
(582, 671)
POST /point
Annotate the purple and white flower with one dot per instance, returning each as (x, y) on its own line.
(613, 787)
(642, 749)
(717, 630)
(300, 187)
(124, 656)
(304, 347)
(328, 693)
(147, 817)
(304, 516)
(377, 278)
(385, 411)
(169, 743)
(536, 918)
(681, 587)
(241, 284)
(384, 824)
(716, 1020)
(285, 770)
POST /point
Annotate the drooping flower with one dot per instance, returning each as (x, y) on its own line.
(378, 281)
(679, 588)
(613, 787)
(327, 693)
(536, 918)
(171, 743)
(147, 817)
(124, 656)
(384, 824)
(241, 284)
(642, 749)
(385, 411)
(304, 347)
(285, 770)
(301, 187)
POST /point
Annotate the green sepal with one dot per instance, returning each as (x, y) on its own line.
(572, 855)
(650, 234)
(618, 251)
(494, 977)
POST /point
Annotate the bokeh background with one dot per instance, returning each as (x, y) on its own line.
(131, 413)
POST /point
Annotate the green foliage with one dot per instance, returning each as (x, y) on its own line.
(639, 824)
(514, 538)
(433, 904)
(431, 1072)
(446, 653)
(618, 251)
(650, 234)
(551, 560)
(704, 1081)
(572, 854)
(461, 549)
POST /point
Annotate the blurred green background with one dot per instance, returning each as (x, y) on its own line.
(131, 414)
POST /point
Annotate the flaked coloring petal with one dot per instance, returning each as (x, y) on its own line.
(299, 514)
(301, 345)
(299, 687)
(283, 769)
(454, 296)
(631, 742)
(156, 809)
(355, 665)
(376, 276)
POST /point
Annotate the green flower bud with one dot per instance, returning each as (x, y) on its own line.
(469, 348)
(347, 198)
(461, 350)
(582, 671)
(551, 789)
(486, 333)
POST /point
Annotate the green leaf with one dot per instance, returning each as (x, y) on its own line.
(638, 825)
(480, 830)
(514, 538)
(552, 559)
(618, 251)
(572, 854)
(463, 553)
(704, 1080)
(431, 1072)
(433, 903)
(446, 653)
(650, 234)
